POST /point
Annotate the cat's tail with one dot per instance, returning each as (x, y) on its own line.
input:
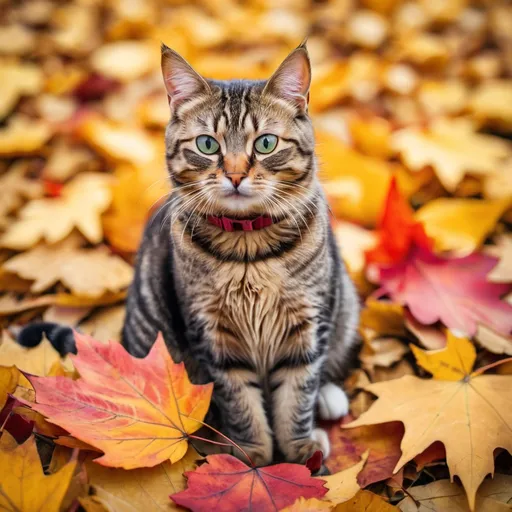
(60, 336)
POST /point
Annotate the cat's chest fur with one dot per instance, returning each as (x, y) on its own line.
(250, 309)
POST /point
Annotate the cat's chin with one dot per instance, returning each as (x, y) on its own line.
(240, 205)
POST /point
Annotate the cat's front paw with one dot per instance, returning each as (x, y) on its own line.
(332, 402)
(302, 449)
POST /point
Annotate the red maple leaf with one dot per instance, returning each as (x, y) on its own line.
(452, 290)
(225, 483)
(398, 231)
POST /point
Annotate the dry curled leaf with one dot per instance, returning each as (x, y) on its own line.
(467, 412)
(79, 206)
(145, 408)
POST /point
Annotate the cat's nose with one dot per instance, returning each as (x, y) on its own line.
(236, 178)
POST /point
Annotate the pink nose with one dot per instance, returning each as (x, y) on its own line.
(235, 178)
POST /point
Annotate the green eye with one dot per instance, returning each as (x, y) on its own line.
(207, 145)
(266, 143)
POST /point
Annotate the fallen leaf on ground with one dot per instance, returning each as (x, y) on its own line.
(23, 136)
(383, 317)
(453, 290)
(353, 241)
(24, 486)
(452, 362)
(467, 413)
(452, 148)
(493, 342)
(398, 231)
(227, 483)
(86, 272)
(41, 360)
(494, 495)
(381, 352)
(348, 445)
(491, 103)
(367, 501)
(8, 381)
(430, 337)
(502, 272)
(14, 188)
(80, 205)
(132, 490)
(17, 79)
(343, 485)
(144, 408)
(356, 184)
(461, 225)
(105, 324)
(135, 193)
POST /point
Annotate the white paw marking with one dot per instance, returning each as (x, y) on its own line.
(321, 437)
(332, 402)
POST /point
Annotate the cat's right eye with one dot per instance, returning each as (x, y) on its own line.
(207, 144)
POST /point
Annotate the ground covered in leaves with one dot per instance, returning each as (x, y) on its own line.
(412, 104)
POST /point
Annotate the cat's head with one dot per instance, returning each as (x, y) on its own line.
(240, 147)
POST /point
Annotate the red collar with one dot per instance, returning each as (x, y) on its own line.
(227, 224)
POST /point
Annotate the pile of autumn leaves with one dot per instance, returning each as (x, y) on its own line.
(143, 415)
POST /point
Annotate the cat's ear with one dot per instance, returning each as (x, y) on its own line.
(181, 81)
(292, 79)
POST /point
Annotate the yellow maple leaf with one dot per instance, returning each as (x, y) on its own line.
(24, 486)
(468, 412)
(461, 224)
(452, 148)
(343, 485)
(132, 490)
(82, 202)
(86, 272)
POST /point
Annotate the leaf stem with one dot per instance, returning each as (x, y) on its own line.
(489, 366)
(230, 441)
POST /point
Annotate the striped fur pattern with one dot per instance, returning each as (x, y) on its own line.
(269, 315)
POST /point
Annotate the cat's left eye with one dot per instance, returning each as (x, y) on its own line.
(207, 145)
(265, 143)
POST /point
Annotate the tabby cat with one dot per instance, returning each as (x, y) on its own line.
(239, 269)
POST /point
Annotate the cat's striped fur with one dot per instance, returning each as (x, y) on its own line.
(270, 315)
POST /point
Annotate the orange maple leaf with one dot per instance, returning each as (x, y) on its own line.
(398, 231)
(225, 483)
(139, 412)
